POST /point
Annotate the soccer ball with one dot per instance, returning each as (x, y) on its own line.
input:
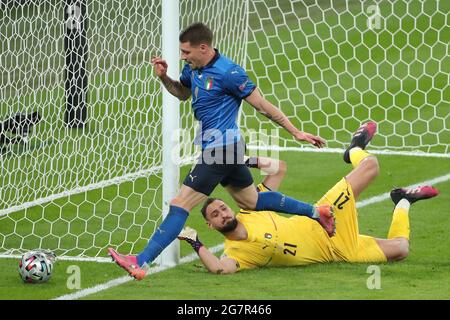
(36, 266)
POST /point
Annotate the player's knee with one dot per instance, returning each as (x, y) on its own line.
(372, 166)
(403, 249)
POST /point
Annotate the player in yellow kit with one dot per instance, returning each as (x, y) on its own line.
(264, 238)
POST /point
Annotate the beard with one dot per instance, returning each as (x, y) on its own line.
(230, 226)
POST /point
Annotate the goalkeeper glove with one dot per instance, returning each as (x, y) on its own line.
(190, 236)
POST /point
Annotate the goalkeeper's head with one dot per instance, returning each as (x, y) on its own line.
(196, 45)
(219, 216)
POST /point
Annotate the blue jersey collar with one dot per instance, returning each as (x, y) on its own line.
(213, 60)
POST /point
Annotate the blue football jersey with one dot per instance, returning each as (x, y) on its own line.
(217, 92)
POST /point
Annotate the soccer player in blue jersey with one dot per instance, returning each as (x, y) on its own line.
(217, 86)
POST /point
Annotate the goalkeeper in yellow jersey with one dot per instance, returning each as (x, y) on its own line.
(264, 238)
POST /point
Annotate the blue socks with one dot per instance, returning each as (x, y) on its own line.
(275, 201)
(168, 231)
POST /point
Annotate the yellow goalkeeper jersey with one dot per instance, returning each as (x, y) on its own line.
(274, 240)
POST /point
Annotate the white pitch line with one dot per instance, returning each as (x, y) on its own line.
(62, 258)
(124, 279)
(113, 283)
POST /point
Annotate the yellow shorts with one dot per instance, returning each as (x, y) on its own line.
(348, 245)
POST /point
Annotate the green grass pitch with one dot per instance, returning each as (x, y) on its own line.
(417, 87)
(423, 275)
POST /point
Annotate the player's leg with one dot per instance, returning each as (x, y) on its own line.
(198, 184)
(365, 165)
(239, 183)
(360, 177)
(273, 169)
(245, 197)
(240, 186)
(343, 194)
(188, 198)
(168, 231)
(396, 247)
(172, 224)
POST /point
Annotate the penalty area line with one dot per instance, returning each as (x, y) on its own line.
(116, 282)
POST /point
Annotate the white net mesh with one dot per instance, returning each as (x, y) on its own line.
(331, 65)
(228, 20)
(76, 191)
(80, 190)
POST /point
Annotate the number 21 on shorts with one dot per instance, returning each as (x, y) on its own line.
(341, 200)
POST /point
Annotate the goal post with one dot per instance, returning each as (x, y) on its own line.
(170, 121)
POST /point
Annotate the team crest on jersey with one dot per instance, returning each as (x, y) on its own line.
(267, 236)
(208, 83)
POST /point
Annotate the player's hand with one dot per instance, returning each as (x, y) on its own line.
(308, 137)
(188, 234)
(160, 66)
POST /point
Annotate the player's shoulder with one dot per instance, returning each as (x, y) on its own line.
(227, 65)
(244, 214)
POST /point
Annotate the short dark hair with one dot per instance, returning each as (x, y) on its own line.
(197, 33)
(206, 204)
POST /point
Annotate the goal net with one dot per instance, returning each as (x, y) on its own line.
(87, 173)
(80, 180)
(330, 65)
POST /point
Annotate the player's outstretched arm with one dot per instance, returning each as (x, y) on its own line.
(273, 113)
(211, 262)
(176, 88)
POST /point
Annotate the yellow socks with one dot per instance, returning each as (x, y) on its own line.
(357, 155)
(400, 221)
